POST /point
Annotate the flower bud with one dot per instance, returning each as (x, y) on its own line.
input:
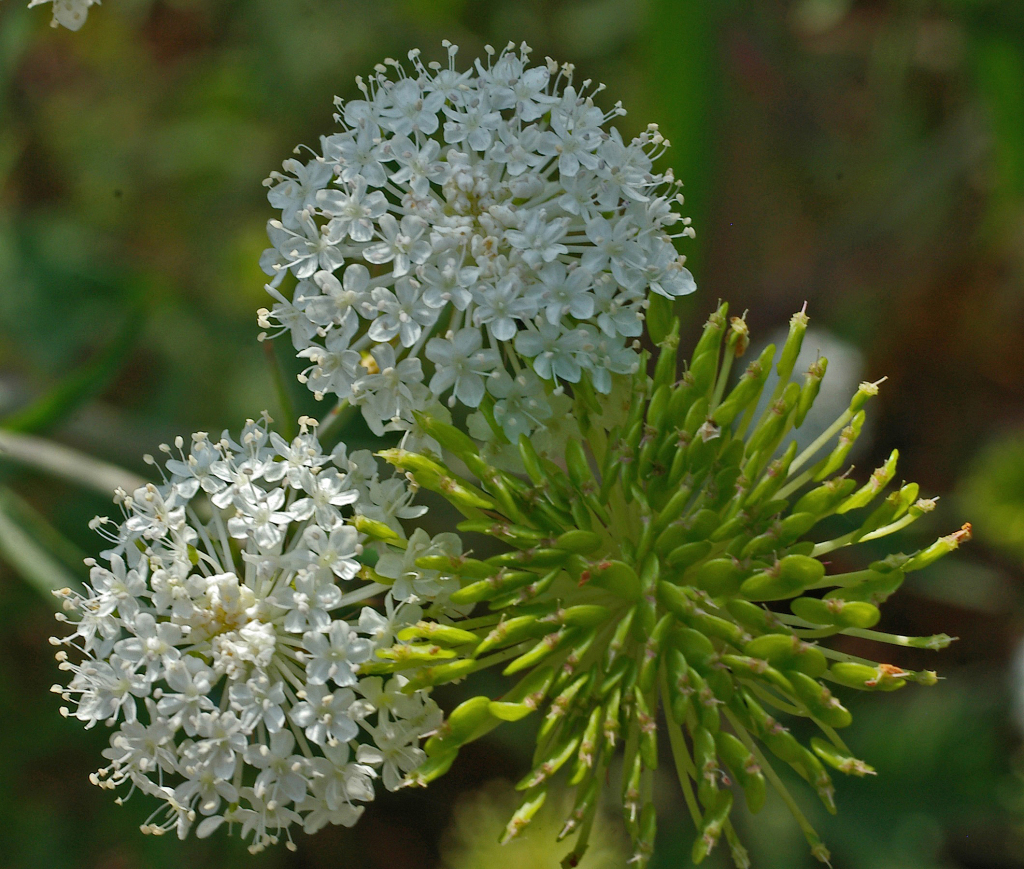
(819, 700)
(879, 480)
(575, 540)
(942, 546)
(744, 767)
(618, 578)
(794, 341)
(840, 760)
(786, 652)
(809, 391)
(711, 826)
(531, 804)
(836, 611)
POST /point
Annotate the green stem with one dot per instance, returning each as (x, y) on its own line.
(338, 417)
(284, 399)
(685, 770)
(67, 463)
(723, 379)
(821, 440)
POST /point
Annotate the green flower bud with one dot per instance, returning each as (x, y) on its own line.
(583, 542)
(585, 805)
(536, 558)
(705, 758)
(532, 802)
(840, 760)
(836, 611)
(745, 769)
(373, 529)
(486, 589)
(711, 826)
(512, 631)
(438, 633)
(589, 743)
(468, 721)
(691, 529)
(617, 577)
(432, 768)
(747, 390)
(863, 393)
(448, 436)
(819, 701)
(665, 367)
(879, 480)
(809, 391)
(658, 407)
(718, 577)
(577, 465)
(517, 535)
(696, 648)
(705, 702)
(689, 554)
(439, 674)
(539, 652)
(759, 669)
(774, 477)
(824, 499)
(794, 341)
(560, 754)
(455, 565)
(661, 325)
(648, 731)
(414, 655)
(786, 652)
(754, 618)
(847, 438)
(883, 677)
(942, 546)
(768, 434)
(874, 588)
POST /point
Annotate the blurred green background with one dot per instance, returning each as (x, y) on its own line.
(867, 157)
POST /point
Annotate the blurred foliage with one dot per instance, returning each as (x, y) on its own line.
(993, 492)
(864, 155)
(481, 815)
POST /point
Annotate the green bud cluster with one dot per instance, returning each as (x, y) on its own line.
(667, 576)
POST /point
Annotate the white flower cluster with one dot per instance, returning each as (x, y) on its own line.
(224, 637)
(488, 221)
(67, 13)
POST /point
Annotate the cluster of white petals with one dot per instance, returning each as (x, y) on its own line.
(482, 236)
(223, 637)
(67, 13)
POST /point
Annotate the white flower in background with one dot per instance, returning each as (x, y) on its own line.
(223, 637)
(487, 223)
(67, 13)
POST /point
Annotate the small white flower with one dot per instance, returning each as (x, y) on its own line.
(67, 13)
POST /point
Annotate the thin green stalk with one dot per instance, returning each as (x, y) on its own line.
(685, 770)
(821, 440)
(284, 399)
(338, 417)
(67, 463)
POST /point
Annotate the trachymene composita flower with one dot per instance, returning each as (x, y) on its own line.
(488, 220)
(228, 639)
